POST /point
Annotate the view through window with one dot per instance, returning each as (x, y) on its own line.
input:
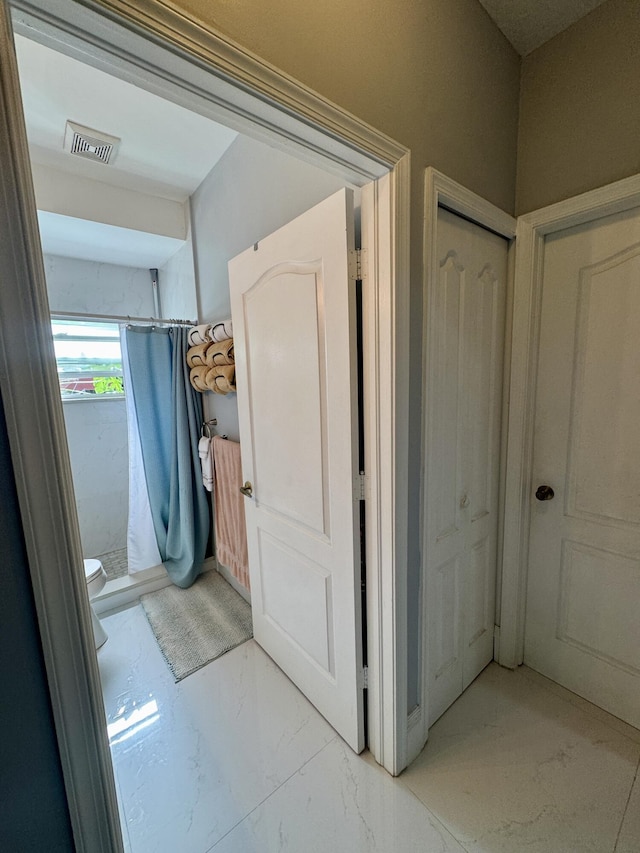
(89, 358)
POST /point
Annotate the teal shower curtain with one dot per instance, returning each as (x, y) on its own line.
(169, 415)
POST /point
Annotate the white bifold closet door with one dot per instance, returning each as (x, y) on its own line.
(466, 317)
(294, 320)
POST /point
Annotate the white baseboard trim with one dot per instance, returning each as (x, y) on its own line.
(416, 731)
(226, 574)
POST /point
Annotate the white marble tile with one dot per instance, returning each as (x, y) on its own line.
(629, 838)
(339, 802)
(233, 759)
(130, 662)
(584, 705)
(513, 767)
(193, 759)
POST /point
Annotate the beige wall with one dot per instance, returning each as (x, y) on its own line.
(580, 108)
(436, 75)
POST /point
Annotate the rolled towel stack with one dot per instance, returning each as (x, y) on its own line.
(199, 334)
(211, 358)
(220, 353)
(221, 378)
(221, 331)
(196, 356)
(197, 377)
(206, 332)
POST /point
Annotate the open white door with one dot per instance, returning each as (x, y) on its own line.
(294, 321)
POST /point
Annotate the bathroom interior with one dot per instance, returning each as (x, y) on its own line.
(146, 236)
(192, 196)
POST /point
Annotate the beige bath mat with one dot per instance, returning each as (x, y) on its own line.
(195, 626)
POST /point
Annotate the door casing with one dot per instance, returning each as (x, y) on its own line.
(152, 45)
(532, 230)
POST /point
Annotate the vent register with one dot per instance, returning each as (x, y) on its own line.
(90, 144)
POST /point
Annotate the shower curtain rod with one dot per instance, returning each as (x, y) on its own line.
(115, 318)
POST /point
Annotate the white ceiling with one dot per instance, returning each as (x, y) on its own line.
(530, 23)
(166, 150)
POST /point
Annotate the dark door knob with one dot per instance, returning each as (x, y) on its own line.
(544, 493)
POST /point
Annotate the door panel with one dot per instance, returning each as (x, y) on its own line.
(607, 361)
(285, 361)
(464, 404)
(294, 320)
(582, 626)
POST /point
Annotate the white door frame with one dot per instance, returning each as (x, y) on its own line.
(532, 230)
(442, 191)
(177, 58)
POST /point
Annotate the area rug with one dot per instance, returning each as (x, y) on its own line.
(195, 626)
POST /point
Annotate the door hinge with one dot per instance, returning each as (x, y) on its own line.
(357, 264)
(365, 677)
(360, 487)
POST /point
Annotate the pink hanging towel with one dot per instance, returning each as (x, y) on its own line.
(230, 526)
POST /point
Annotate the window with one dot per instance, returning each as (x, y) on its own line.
(89, 358)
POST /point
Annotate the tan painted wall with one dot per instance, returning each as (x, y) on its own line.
(580, 108)
(436, 75)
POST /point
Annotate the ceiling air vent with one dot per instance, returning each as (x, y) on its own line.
(90, 144)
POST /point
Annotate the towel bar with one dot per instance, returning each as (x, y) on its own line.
(206, 427)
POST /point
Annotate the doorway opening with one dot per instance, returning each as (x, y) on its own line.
(384, 317)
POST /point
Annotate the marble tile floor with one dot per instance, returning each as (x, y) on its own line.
(233, 759)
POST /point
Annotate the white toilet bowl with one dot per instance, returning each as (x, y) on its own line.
(96, 579)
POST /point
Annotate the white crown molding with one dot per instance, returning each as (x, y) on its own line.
(251, 95)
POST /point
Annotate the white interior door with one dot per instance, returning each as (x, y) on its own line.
(464, 406)
(295, 343)
(583, 603)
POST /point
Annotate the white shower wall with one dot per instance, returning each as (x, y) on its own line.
(177, 284)
(93, 288)
(97, 437)
(251, 191)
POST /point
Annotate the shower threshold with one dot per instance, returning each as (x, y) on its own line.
(124, 591)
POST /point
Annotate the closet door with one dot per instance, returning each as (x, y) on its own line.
(294, 320)
(466, 311)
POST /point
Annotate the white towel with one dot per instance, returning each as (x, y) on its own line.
(206, 461)
(199, 334)
(221, 331)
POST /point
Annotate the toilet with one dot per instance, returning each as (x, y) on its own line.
(96, 579)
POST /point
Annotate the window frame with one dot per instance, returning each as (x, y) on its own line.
(88, 375)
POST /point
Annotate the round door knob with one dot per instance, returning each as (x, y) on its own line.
(544, 493)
